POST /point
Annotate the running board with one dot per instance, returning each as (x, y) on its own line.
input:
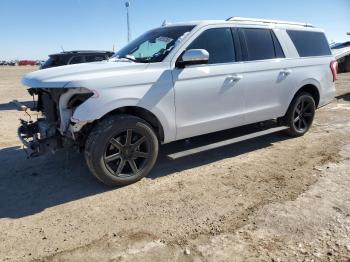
(200, 149)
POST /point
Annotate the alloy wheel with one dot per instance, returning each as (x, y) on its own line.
(303, 115)
(127, 153)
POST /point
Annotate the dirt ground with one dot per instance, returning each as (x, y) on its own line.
(267, 199)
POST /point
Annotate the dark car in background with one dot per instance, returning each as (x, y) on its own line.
(76, 57)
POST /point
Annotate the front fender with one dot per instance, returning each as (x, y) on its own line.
(97, 107)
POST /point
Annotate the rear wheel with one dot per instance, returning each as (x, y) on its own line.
(300, 114)
(121, 150)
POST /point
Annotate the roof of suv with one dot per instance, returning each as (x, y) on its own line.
(250, 21)
(83, 52)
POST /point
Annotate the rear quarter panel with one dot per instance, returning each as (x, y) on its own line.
(306, 70)
(311, 71)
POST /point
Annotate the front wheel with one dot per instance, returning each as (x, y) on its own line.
(121, 150)
(300, 115)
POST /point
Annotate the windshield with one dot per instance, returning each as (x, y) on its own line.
(154, 45)
(55, 60)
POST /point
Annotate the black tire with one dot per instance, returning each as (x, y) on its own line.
(121, 149)
(300, 115)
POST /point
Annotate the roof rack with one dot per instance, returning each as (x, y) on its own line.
(86, 51)
(267, 21)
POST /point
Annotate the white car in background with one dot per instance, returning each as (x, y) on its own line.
(180, 81)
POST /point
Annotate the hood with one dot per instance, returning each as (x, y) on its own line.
(75, 75)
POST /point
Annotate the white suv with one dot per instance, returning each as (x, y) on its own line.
(180, 81)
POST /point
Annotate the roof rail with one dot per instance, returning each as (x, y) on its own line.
(267, 21)
(86, 51)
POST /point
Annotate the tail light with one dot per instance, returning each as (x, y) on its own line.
(334, 69)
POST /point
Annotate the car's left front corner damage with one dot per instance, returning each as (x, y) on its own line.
(55, 128)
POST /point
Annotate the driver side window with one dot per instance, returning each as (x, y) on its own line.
(218, 42)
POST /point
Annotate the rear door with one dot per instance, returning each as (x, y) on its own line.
(267, 75)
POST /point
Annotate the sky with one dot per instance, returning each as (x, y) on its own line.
(33, 29)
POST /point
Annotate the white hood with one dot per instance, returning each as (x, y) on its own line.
(77, 75)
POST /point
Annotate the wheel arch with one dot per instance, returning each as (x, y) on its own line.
(311, 87)
(312, 90)
(142, 113)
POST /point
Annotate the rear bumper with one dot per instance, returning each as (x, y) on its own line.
(327, 96)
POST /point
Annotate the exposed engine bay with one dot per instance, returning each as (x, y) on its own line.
(54, 128)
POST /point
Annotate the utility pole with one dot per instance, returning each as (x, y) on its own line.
(127, 5)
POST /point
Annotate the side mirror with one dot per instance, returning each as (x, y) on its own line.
(193, 57)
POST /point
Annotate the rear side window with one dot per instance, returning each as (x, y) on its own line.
(76, 60)
(94, 58)
(309, 43)
(259, 44)
(219, 44)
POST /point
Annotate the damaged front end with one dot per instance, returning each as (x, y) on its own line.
(53, 129)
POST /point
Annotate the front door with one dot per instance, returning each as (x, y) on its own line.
(209, 97)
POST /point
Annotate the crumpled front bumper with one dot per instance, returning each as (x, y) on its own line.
(38, 137)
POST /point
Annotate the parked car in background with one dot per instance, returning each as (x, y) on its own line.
(26, 62)
(340, 45)
(76, 57)
(11, 63)
(180, 81)
(8, 63)
(342, 54)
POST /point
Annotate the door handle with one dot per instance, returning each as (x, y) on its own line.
(286, 72)
(234, 77)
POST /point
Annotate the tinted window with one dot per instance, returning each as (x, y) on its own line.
(310, 43)
(76, 60)
(218, 42)
(51, 62)
(258, 44)
(278, 49)
(56, 60)
(94, 58)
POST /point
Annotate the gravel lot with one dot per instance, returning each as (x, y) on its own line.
(267, 199)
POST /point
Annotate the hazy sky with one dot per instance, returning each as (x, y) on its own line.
(32, 29)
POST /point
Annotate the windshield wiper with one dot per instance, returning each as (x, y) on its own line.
(123, 58)
(117, 59)
(130, 57)
(127, 58)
